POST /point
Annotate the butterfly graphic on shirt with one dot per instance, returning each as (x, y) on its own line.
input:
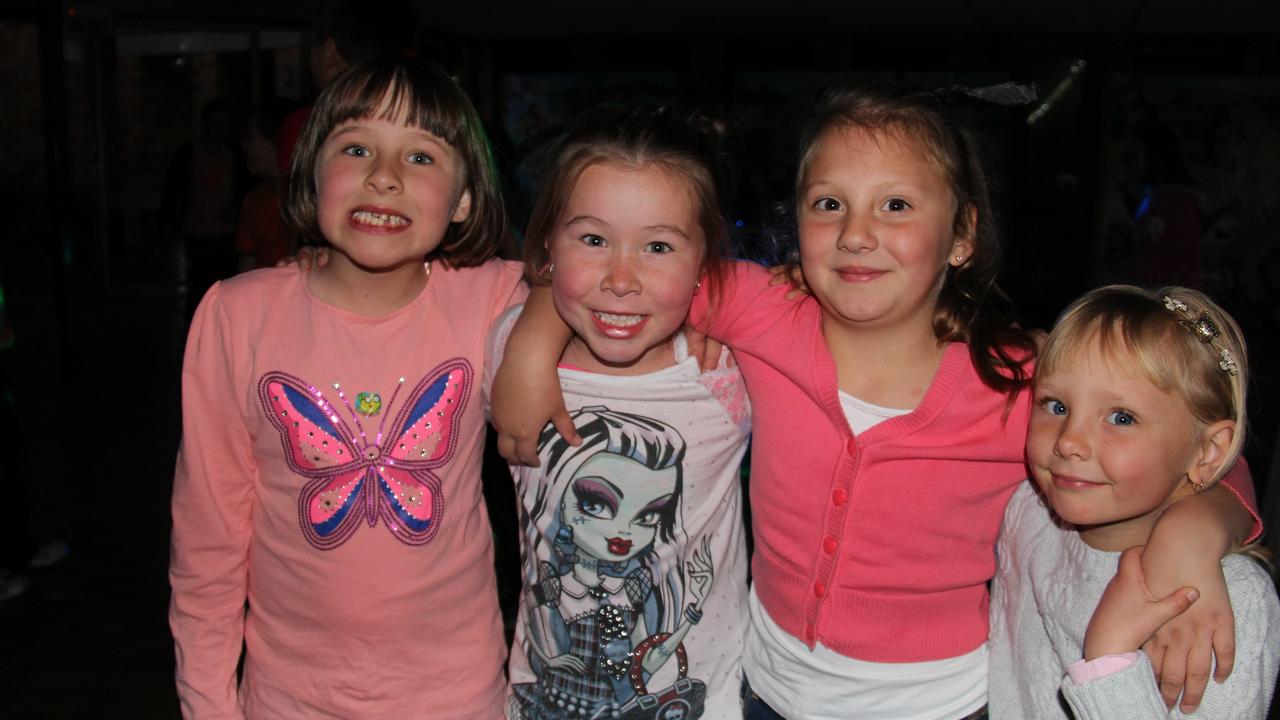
(359, 473)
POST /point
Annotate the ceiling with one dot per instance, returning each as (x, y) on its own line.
(578, 18)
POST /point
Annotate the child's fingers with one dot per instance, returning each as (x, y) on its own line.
(1155, 653)
(564, 425)
(1198, 663)
(507, 448)
(304, 258)
(710, 357)
(1173, 675)
(1224, 651)
(527, 452)
(1177, 602)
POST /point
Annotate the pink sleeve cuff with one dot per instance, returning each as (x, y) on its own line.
(1083, 671)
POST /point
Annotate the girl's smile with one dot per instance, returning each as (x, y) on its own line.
(619, 327)
(379, 220)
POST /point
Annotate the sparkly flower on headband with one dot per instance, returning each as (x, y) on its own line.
(1205, 330)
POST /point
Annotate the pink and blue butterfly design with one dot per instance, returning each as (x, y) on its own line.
(365, 474)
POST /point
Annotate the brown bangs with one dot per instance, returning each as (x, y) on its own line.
(422, 96)
(393, 96)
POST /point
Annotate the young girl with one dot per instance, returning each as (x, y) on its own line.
(890, 416)
(634, 602)
(1139, 402)
(329, 470)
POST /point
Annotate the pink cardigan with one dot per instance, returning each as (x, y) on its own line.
(879, 546)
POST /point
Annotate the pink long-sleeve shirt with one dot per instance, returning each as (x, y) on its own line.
(878, 546)
(330, 476)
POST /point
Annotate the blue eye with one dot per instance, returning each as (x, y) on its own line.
(1053, 407)
(593, 507)
(1123, 418)
(420, 158)
(895, 205)
(356, 151)
(659, 247)
(827, 204)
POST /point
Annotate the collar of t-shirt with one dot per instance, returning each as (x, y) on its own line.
(862, 415)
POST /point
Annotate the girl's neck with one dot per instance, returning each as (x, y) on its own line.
(659, 357)
(1115, 537)
(887, 366)
(343, 284)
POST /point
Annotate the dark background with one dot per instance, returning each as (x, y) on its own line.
(95, 98)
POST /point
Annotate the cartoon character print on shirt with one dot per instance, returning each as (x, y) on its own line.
(611, 585)
(357, 472)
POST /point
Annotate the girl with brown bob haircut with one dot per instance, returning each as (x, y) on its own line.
(426, 98)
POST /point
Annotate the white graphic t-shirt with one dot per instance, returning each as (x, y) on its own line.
(635, 600)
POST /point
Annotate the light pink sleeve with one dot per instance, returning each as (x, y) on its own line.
(1083, 671)
(213, 497)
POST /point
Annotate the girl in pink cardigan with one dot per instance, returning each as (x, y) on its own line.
(890, 418)
(329, 476)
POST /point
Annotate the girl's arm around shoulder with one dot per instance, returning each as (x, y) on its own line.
(213, 498)
(745, 306)
(526, 389)
(1185, 549)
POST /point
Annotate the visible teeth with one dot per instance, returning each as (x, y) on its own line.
(378, 219)
(619, 320)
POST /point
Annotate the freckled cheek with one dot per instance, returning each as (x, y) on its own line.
(571, 284)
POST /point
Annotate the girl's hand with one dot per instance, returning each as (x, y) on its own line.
(1186, 548)
(706, 350)
(1129, 612)
(791, 275)
(701, 573)
(569, 662)
(306, 257)
(1182, 650)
